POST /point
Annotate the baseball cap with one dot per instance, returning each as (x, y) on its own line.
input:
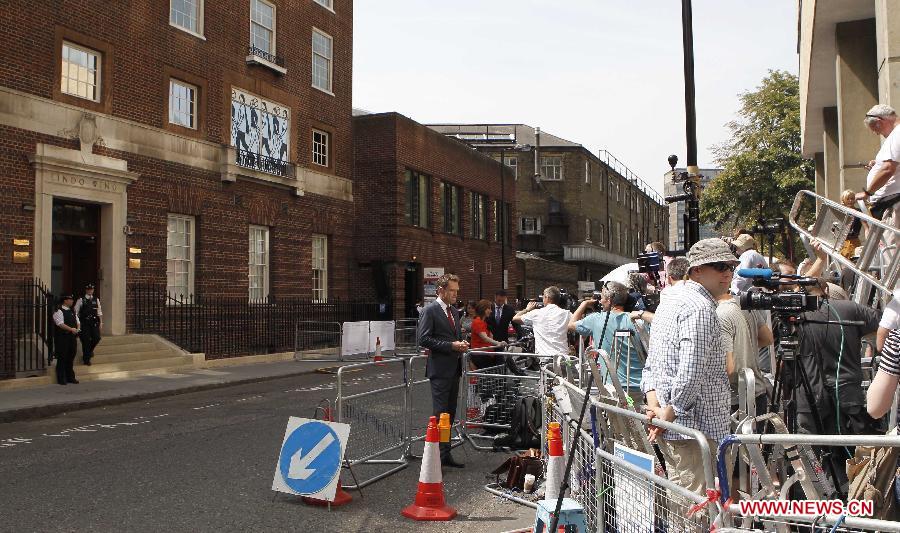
(710, 251)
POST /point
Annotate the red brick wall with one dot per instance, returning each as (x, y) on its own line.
(385, 146)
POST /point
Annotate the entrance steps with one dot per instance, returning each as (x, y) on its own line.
(128, 353)
(118, 357)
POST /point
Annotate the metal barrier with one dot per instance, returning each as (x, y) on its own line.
(613, 492)
(318, 341)
(378, 417)
(490, 396)
(405, 337)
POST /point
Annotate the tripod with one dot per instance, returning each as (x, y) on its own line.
(791, 376)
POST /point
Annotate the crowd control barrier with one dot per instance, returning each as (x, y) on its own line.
(387, 404)
(343, 341)
(622, 488)
(490, 395)
(405, 337)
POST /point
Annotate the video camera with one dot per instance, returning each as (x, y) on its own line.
(566, 301)
(765, 293)
(771, 226)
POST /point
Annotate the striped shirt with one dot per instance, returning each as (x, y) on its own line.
(686, 362)
(889, 363)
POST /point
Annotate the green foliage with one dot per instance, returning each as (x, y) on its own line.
(762, 166)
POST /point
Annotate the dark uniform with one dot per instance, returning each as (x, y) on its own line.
(64, 344)
(90, 325)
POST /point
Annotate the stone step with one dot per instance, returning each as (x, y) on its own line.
(148, 346)
(50, 378)
(118, 340)
(119, 357)
(143, 364)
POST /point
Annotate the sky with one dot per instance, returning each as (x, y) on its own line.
(607, 74)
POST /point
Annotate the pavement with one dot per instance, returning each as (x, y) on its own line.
(205, 460)
(48, 400)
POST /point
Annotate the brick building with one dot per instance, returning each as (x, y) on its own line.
(574, 206)
(157, 142)
(425, 201)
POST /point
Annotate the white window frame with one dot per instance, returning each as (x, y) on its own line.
(530, 226)
(189, 224)
(319, 243)
(256, 235)
(327, 4)
(556, 169)
(198, 15)
(329, 59)
(98, 72)
(273, 29)
(512, 162)
(192, 113)
(587, 172)
(327, 146)
(587, 230)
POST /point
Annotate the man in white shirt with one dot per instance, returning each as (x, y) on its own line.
(883, 182)
(549, 323)
(745, 249)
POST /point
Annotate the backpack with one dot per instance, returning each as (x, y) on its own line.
(525, 425)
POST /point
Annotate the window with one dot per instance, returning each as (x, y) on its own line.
(418, 199)
(259, 263)
(587, 172)
(551, 168)
(320, 147)
(479, 216)
(451, 205)
(531, 225)
(321, 60)
(513, 163)
(180, 256)
(587, 230)
(80, 74)
(320, 268)
(327, 4)
(187, 15)
(601, 236)
(182, 104)
(262, 26)
(501, 222)
(619, 237)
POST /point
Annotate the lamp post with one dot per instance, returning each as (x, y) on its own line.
(502, 214)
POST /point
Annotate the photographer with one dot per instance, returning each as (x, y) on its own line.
(612, 302)
(745, 249)
(830, 356)
(684, 377)
(550, 323)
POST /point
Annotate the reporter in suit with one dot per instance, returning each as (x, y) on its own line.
(500, 318)
(439, 331)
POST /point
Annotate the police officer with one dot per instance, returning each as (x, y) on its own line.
(91, 317)
(67, 328)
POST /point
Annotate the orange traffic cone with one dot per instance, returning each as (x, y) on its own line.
(556, 465)
(430, 503)
(341, 496)
(377, 357)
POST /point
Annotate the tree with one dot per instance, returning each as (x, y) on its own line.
(762, 169)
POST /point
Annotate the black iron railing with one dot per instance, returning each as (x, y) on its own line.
(262, 54)
(221, 326)
(26, 330)
(261, 163)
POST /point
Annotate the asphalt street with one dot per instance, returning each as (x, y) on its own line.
(205, 461)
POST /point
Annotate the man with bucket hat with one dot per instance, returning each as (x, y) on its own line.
(684, 378)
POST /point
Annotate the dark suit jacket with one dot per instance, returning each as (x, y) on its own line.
(436, 334)
(500, 330)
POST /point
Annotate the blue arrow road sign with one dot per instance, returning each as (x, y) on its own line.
(310, 458)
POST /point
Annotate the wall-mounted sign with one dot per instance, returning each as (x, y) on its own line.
(21, 242)
(133, 250)
(134, 263)
(20, 257)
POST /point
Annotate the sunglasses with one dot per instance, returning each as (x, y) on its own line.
(874, 116)
(722, 267)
